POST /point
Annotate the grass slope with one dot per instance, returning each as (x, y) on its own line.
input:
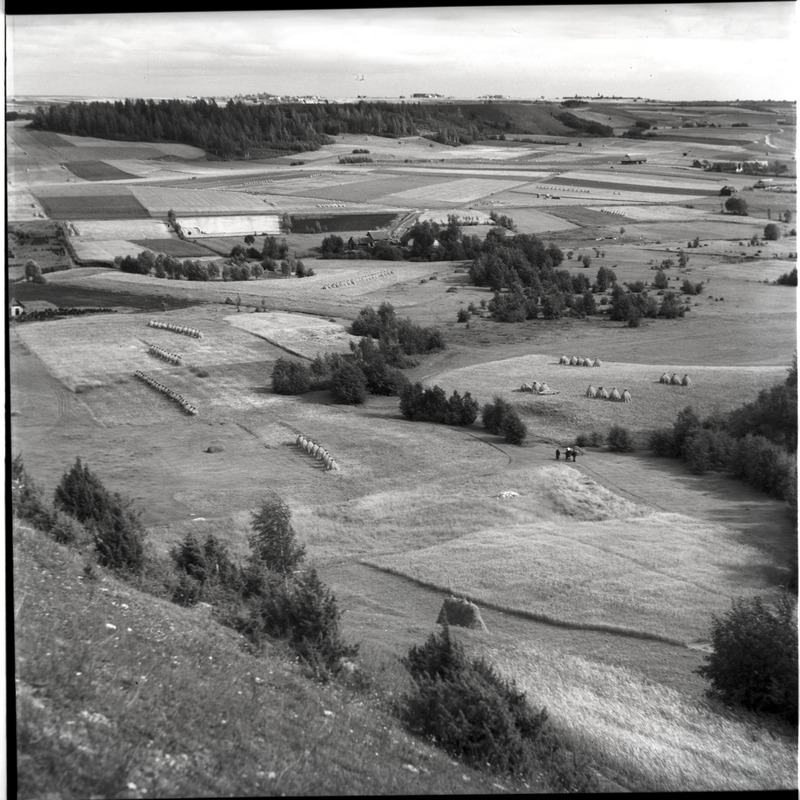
(120, 694)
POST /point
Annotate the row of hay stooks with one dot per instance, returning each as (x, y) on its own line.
(577, 361)
(164, 355)
(675, 380)
(171, 393)
(614, 394)
(317, 452)
(359, 279)
(170, 326)
(536, 388)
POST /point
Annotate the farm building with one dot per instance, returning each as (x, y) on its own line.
(373, 237)
(15, 308)
(727, 191)
(633, 159)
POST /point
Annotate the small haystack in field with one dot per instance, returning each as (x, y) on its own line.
(626, 396)
(597, 363)
(526, 387)
(573, 362)
(603, 393)
(456, 611)
(563, 360)
(664, 378)
(543, 387)
(215, 448)
(675, 380)
(614, 394)
(591, 392)
(587, 362)
(536, 386)
(686, 381)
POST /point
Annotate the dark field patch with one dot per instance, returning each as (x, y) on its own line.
(99, 152)
(340, 222)
(634, 187)
(96, 171)
(49, 139)
(174, 247)
(585, 216)
(120, 206)
(65, 296)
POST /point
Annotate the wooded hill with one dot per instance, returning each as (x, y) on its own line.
(240, 130)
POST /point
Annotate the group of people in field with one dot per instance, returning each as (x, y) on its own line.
(569, 453)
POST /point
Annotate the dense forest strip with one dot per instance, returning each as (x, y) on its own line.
(246, 130)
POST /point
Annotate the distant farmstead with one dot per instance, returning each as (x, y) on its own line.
(15, 308)
(633, 159)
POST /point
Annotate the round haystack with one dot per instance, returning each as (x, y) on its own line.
(543, 387)
(591, 392)
(526, 387)
(563, 360)
(626, 396)
(462, 613)
(215, 448)
(686, 381)
(573, 361)
(664, 378)
(601, 392)
(614, 394)
(587, 362)
(597, 363)
(536, 386)
(675, 380)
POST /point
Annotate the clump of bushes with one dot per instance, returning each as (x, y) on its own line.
(502, 419)
(620, 440)
(754, 660)
(593, 439)
(478, 716)
(432, 405)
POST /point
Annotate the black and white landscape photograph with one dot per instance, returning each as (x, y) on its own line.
(310, 316)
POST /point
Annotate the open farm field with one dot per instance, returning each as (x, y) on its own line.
(177, 248)
(582, 557)
(105, 251)
(193, 202)
(465, 190)
(596, 580)
(103, 229)
(121, 205)
(654, 405)
(230, 225)
(97, 171)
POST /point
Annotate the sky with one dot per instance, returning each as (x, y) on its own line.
(681, 51)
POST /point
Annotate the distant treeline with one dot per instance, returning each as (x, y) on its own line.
(240, 130)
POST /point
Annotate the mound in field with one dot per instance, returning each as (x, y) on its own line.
(462, 613)
(575, 495)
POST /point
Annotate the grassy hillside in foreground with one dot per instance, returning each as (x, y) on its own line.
(121, 694)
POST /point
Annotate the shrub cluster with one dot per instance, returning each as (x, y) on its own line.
(501, 418)
(620, 440)
(756, 442)
(432, 405)
(754, 658)
(401, 336)
(473, 713)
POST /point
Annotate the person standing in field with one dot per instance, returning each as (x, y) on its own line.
(558, 455)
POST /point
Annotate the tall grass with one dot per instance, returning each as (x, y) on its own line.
(647, 736)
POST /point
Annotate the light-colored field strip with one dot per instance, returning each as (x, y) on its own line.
(653, 213)
(107, 250)
(526, 174)
(233, 225)
(458, 191)
(22, 205)
(300, 334)
(529, 220)
(87, 230)
(159, 200)
(621, 175)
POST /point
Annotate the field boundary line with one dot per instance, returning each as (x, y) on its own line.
(598, 627)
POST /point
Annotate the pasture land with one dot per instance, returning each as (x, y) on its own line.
(572, 574)
(178, 248)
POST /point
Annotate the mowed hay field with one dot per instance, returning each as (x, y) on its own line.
(569, 411)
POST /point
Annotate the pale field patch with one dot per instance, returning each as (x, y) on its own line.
(582, 195)
(657, 213)
(653, 404)
(464, 190)
(623, 174)
(232, 225)
(110, 230)
(647, 734)
(300, 334)
(159, 200)
(21, 205)
(108, 250)
(529, 220)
